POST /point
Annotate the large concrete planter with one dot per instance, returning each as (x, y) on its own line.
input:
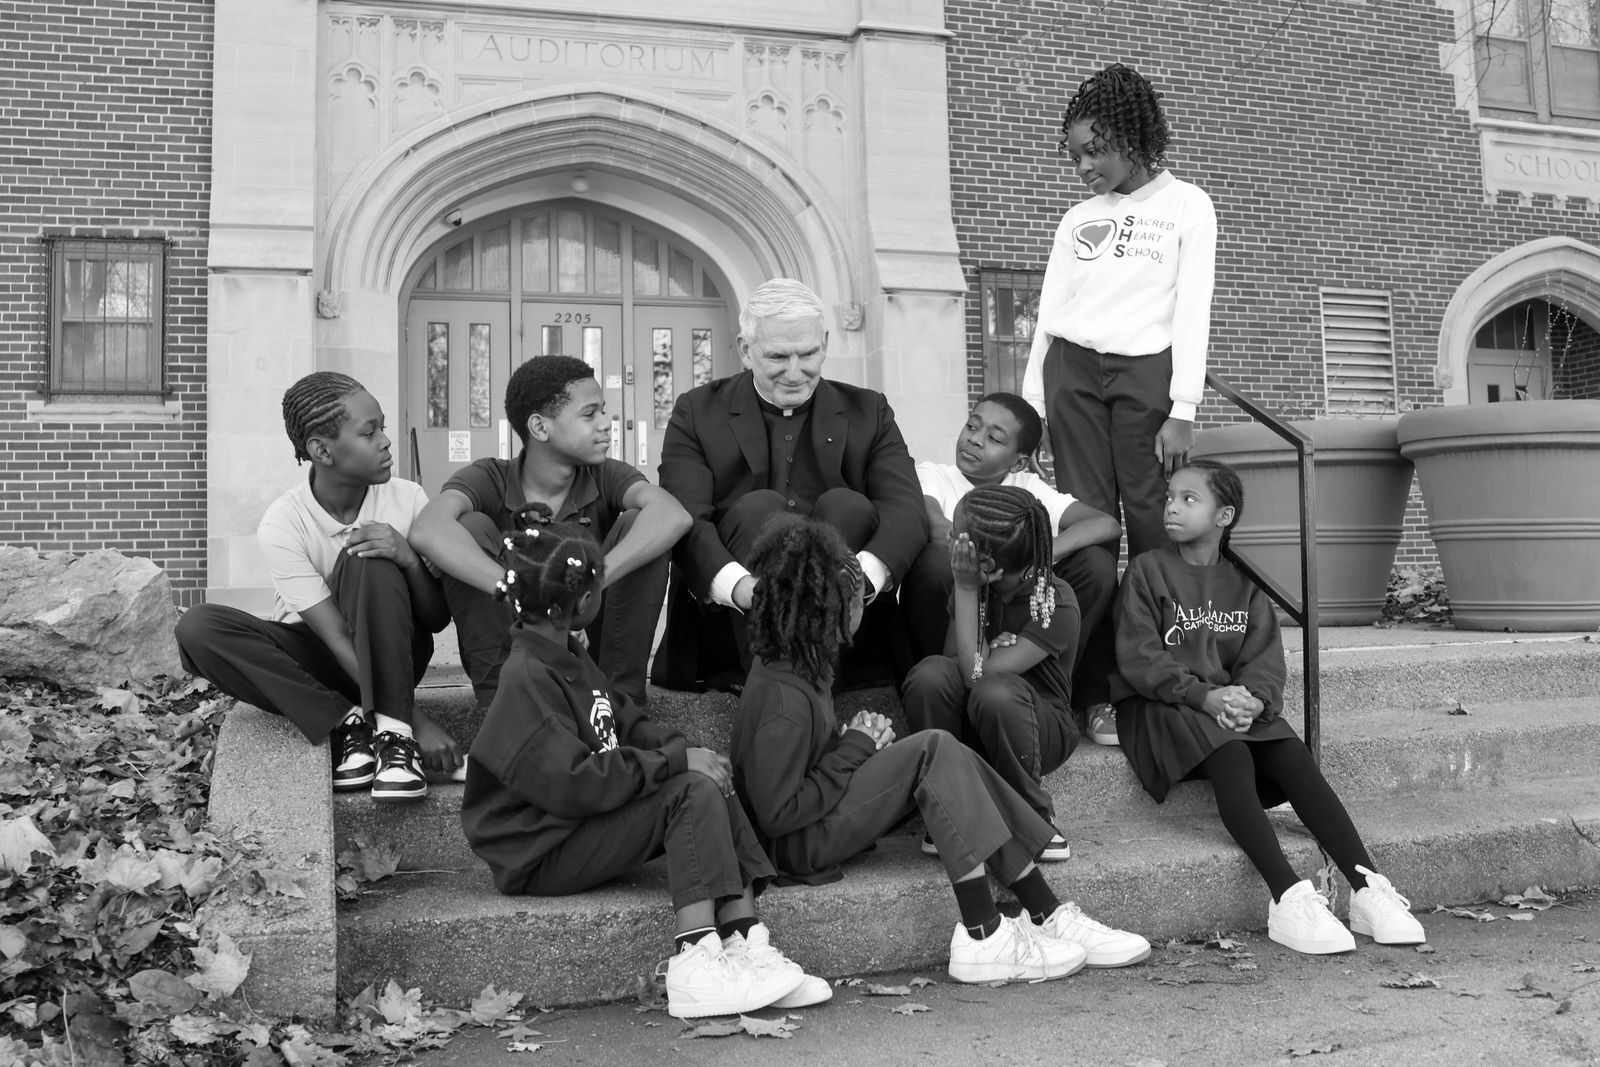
(1513, 497)
(1362, 486)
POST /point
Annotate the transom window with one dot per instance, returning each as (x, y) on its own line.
(1538, 58)
(107, 328)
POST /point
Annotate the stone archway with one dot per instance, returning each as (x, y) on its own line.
(691, 174)
(1558, 268)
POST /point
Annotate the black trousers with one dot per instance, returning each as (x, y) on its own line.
(1021, 732)
(973, 816)
(719, 643)
(712, 851)
(285, 668)
(1090, 571)
(1104, 413)
(619, 638)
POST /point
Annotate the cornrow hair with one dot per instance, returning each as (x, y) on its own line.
(1224, 483)
(549, 566)
(806, 579)
(1010, 529)
(1122, 106)
(541, 386)
(314, 407)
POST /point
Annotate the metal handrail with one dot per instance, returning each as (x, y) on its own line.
(1305, 612)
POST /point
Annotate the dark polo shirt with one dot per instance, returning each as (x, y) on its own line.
(494, 487)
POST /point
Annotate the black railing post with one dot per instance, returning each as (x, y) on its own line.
(1305, 612)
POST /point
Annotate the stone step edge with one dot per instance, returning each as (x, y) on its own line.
(450, 934)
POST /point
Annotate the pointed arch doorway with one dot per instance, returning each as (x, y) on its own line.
(642, 306)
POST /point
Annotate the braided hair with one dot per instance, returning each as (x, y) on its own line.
(1224, 483)
(549, 566)
(806, 580)
(1121, 105)
(541, 386)
(1010, 529)
(314, 407)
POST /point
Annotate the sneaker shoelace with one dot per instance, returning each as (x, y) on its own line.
(1387, 893)
(1075, 914)
(398, 751)
(1029, 948)
(1313, 906)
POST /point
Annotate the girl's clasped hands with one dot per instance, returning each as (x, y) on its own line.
(876, 726)
(1233, 707)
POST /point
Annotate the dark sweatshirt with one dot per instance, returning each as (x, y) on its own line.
(1184, 630)
(555, 749)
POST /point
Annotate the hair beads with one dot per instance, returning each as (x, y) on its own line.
(551, 566)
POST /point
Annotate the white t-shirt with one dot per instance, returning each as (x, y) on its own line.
(945, 483)
(302, 542)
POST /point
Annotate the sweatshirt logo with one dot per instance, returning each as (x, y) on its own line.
(1091, 239)
(1206, 618)
(600, 717)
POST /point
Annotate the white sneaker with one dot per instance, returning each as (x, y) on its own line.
(1103, 946)
(757, 950)
(1056, 850)
(702, 980)
(1382, 914)
(1103, 725)
(1303, 921)
(1013, 953)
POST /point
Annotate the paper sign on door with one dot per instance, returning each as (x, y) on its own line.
(460, 446)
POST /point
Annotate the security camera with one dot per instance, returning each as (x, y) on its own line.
(453, 217)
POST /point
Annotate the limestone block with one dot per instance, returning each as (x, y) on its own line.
(98, 619)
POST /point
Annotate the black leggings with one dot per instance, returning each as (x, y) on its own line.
(1245, 776)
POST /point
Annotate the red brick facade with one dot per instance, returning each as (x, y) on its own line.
(1331, 145)
(105, 131)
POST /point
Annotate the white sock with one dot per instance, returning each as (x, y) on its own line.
(354, 715)
(385, 724)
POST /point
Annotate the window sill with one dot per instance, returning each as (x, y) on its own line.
(110, 409)
(1581, 133)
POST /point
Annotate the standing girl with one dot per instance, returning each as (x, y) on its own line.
(1005, 688)
(820, 793)
(1118, 363)
(1200, 654)
(569, 786)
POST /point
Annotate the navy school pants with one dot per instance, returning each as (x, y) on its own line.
(285, 668)
(1022, 733)
(712, 851)
(619, 638)
(973, 816)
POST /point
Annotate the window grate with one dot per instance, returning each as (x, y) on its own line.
(1358, 351)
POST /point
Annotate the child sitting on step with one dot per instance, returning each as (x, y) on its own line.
(1201, 687)
(570, 785)
(820, 793)
(1005, 685)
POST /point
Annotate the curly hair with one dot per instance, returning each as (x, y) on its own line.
(1030, 428)
(549, 566)
(1009, 526)
(314, 407)
(1224, 483)
(1122, 106)
(806, 579)
(542, 386)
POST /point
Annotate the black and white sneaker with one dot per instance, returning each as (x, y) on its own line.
(354, 762)
(399, 769)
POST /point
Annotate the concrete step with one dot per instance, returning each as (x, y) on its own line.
(1366, 752)
(451, 933)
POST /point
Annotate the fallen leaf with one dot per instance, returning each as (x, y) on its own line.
(12, 941)
(875, 990)
(163, 991)
(492, 1006)
(302, 1051)
(1521, 917)
(650, 996)
(1530, 988)
(1224, 943)
(522, 1031)
(1426, 949)
(1564, 1007)
(1314, 1050)
(1415, 980)
(524, 1046)
(755, 1027)
(20, 841)
(117, 700)
(712, 1028)
(1457, 710)
(918, 982)
(1485, 916)
(222, 970)
(399, 1006)
(281, 882)
(369, 861)
(910, 1007)
(194, 1029)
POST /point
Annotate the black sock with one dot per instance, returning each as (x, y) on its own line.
(690, 937)
(1035, 894)
(736, 926)
(976, 904)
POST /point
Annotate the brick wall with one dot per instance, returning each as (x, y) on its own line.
(1578, 372)
(105, 130)
(1332, 148)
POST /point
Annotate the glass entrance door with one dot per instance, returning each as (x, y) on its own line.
(592, 333)
(458, 357)
(677, 350)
